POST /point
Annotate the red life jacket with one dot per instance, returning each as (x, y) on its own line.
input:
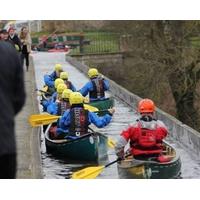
(147, 138)
(62, 107)
(98, 88)
(146, 142)
(79, 121)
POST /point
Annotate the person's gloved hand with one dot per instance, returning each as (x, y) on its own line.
(111, 111)
(86, 100)
(120, 154)
(101, 76)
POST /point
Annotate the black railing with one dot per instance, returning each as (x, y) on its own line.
(84, 43)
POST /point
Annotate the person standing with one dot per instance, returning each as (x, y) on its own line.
(15, 39)
(26, 45)
(12, 98)
(3, 35)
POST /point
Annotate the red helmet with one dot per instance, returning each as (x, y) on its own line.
(146, 106)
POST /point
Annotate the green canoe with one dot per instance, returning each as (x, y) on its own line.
(103, 105)
(90, 147)
(131, 168)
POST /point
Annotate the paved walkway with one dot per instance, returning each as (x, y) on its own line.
(28, 139)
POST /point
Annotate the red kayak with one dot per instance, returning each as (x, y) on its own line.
(58, 50)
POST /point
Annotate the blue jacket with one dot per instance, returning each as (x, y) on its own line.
(100, 122)
(52, 108)
(46, 103)
(53, 97)
(49, 79)
(89, 87)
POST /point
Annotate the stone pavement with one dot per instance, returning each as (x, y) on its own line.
(28, 139)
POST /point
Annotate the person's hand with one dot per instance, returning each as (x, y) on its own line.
(16, 47)
(86, 100)
(111, 111)
(101, 76)
(120, 154)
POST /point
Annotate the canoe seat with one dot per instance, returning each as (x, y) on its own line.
(59, 140)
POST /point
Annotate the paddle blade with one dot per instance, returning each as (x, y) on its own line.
(90, 108)
(88, 173)
(111, 143)
(38, 120)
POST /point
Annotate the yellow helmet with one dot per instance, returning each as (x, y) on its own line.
(66, 93)
(57, 82)
(75, 98)
(58, 67)
(93, 72)
(61, 88)
(64, 75)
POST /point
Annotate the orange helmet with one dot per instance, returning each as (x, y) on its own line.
(146, 106)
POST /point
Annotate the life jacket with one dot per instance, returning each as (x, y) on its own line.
(62, 107)
(79, 121)
(146, 142)
(98, 89)
(68, 84)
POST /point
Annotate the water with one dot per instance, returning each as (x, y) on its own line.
(55, 168)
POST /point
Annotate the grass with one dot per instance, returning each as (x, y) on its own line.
(99, 43)
(195, 41)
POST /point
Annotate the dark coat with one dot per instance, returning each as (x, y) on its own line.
(12, 95)
(16, 41)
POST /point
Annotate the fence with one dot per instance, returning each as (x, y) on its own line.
(84, 43)
(98, 43)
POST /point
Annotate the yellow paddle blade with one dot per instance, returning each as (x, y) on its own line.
(91, 108)
(111, 143)
(42, 119)
(88, 173)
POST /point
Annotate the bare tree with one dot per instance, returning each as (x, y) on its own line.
(164, 47)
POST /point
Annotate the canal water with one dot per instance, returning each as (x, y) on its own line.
(55, 168)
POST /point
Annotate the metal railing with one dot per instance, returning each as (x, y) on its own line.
(98, 43)
(85, 43)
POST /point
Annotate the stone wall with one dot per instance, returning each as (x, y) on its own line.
(182, 133)
(99, 59)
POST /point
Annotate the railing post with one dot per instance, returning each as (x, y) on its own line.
(81, 43)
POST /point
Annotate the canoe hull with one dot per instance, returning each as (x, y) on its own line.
(103, 105)
(89, 147)
(139, 169)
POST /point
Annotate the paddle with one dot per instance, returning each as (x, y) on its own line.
(93, 172)
(111, 143)
(42, 91)
(44, 119)
(90, 108)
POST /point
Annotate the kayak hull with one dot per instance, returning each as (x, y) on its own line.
(131, 168)
(89, 147)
